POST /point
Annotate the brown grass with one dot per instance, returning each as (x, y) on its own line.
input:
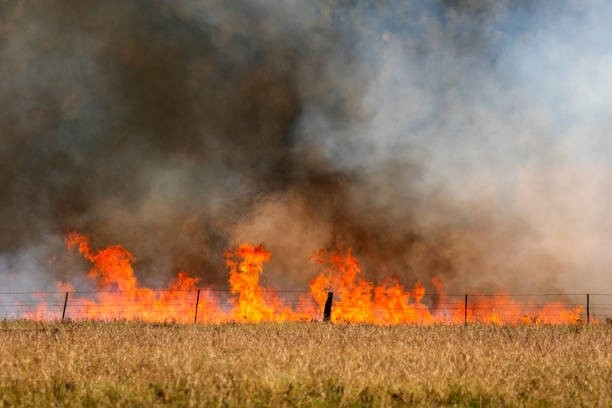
(299, 364)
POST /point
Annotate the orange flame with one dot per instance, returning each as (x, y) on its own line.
(254, 303)
(361, 301)
(119, 295)
(356, 300)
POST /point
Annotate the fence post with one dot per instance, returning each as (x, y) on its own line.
(195, 317)
(65, 303)
(465, 311)
(588, 311)
(328, 307)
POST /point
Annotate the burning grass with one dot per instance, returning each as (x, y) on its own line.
(301, 364)
(357, 300)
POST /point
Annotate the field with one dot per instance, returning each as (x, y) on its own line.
(300, 364)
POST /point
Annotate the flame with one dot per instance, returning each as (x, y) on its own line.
(361, 301)
(254, 303)
(119, 295)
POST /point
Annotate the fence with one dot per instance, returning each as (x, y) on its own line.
(210, 306)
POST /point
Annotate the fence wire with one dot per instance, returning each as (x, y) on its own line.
(217, 305)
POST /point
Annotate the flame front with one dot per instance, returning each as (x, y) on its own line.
(252, 302)
(360, 301)
(119, 295)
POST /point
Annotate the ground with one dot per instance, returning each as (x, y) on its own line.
(303, 364)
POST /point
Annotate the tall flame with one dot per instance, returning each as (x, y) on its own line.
(360, 301)
(254, 303)
(356, 300)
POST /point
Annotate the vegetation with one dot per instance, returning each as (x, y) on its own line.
(302, 364)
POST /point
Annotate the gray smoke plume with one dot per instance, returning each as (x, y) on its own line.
(466, 140)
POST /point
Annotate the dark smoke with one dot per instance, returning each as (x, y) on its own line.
(180, 128)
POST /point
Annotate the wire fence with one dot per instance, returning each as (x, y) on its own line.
(217, 305)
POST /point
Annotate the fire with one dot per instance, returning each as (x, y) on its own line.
(244, 282)
(254, 303)
(360, 301)
(119, 295)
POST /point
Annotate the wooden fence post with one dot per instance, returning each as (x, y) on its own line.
(195, 317)
(588, 311)
(328, 307)
(465, 311)
(65, 303)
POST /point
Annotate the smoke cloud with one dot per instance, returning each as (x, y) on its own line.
(465, 140)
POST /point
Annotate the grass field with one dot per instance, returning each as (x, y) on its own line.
(300, 364)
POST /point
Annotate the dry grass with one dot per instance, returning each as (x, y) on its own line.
(138, 364)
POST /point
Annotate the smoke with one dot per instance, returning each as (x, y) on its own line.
(465, 140)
